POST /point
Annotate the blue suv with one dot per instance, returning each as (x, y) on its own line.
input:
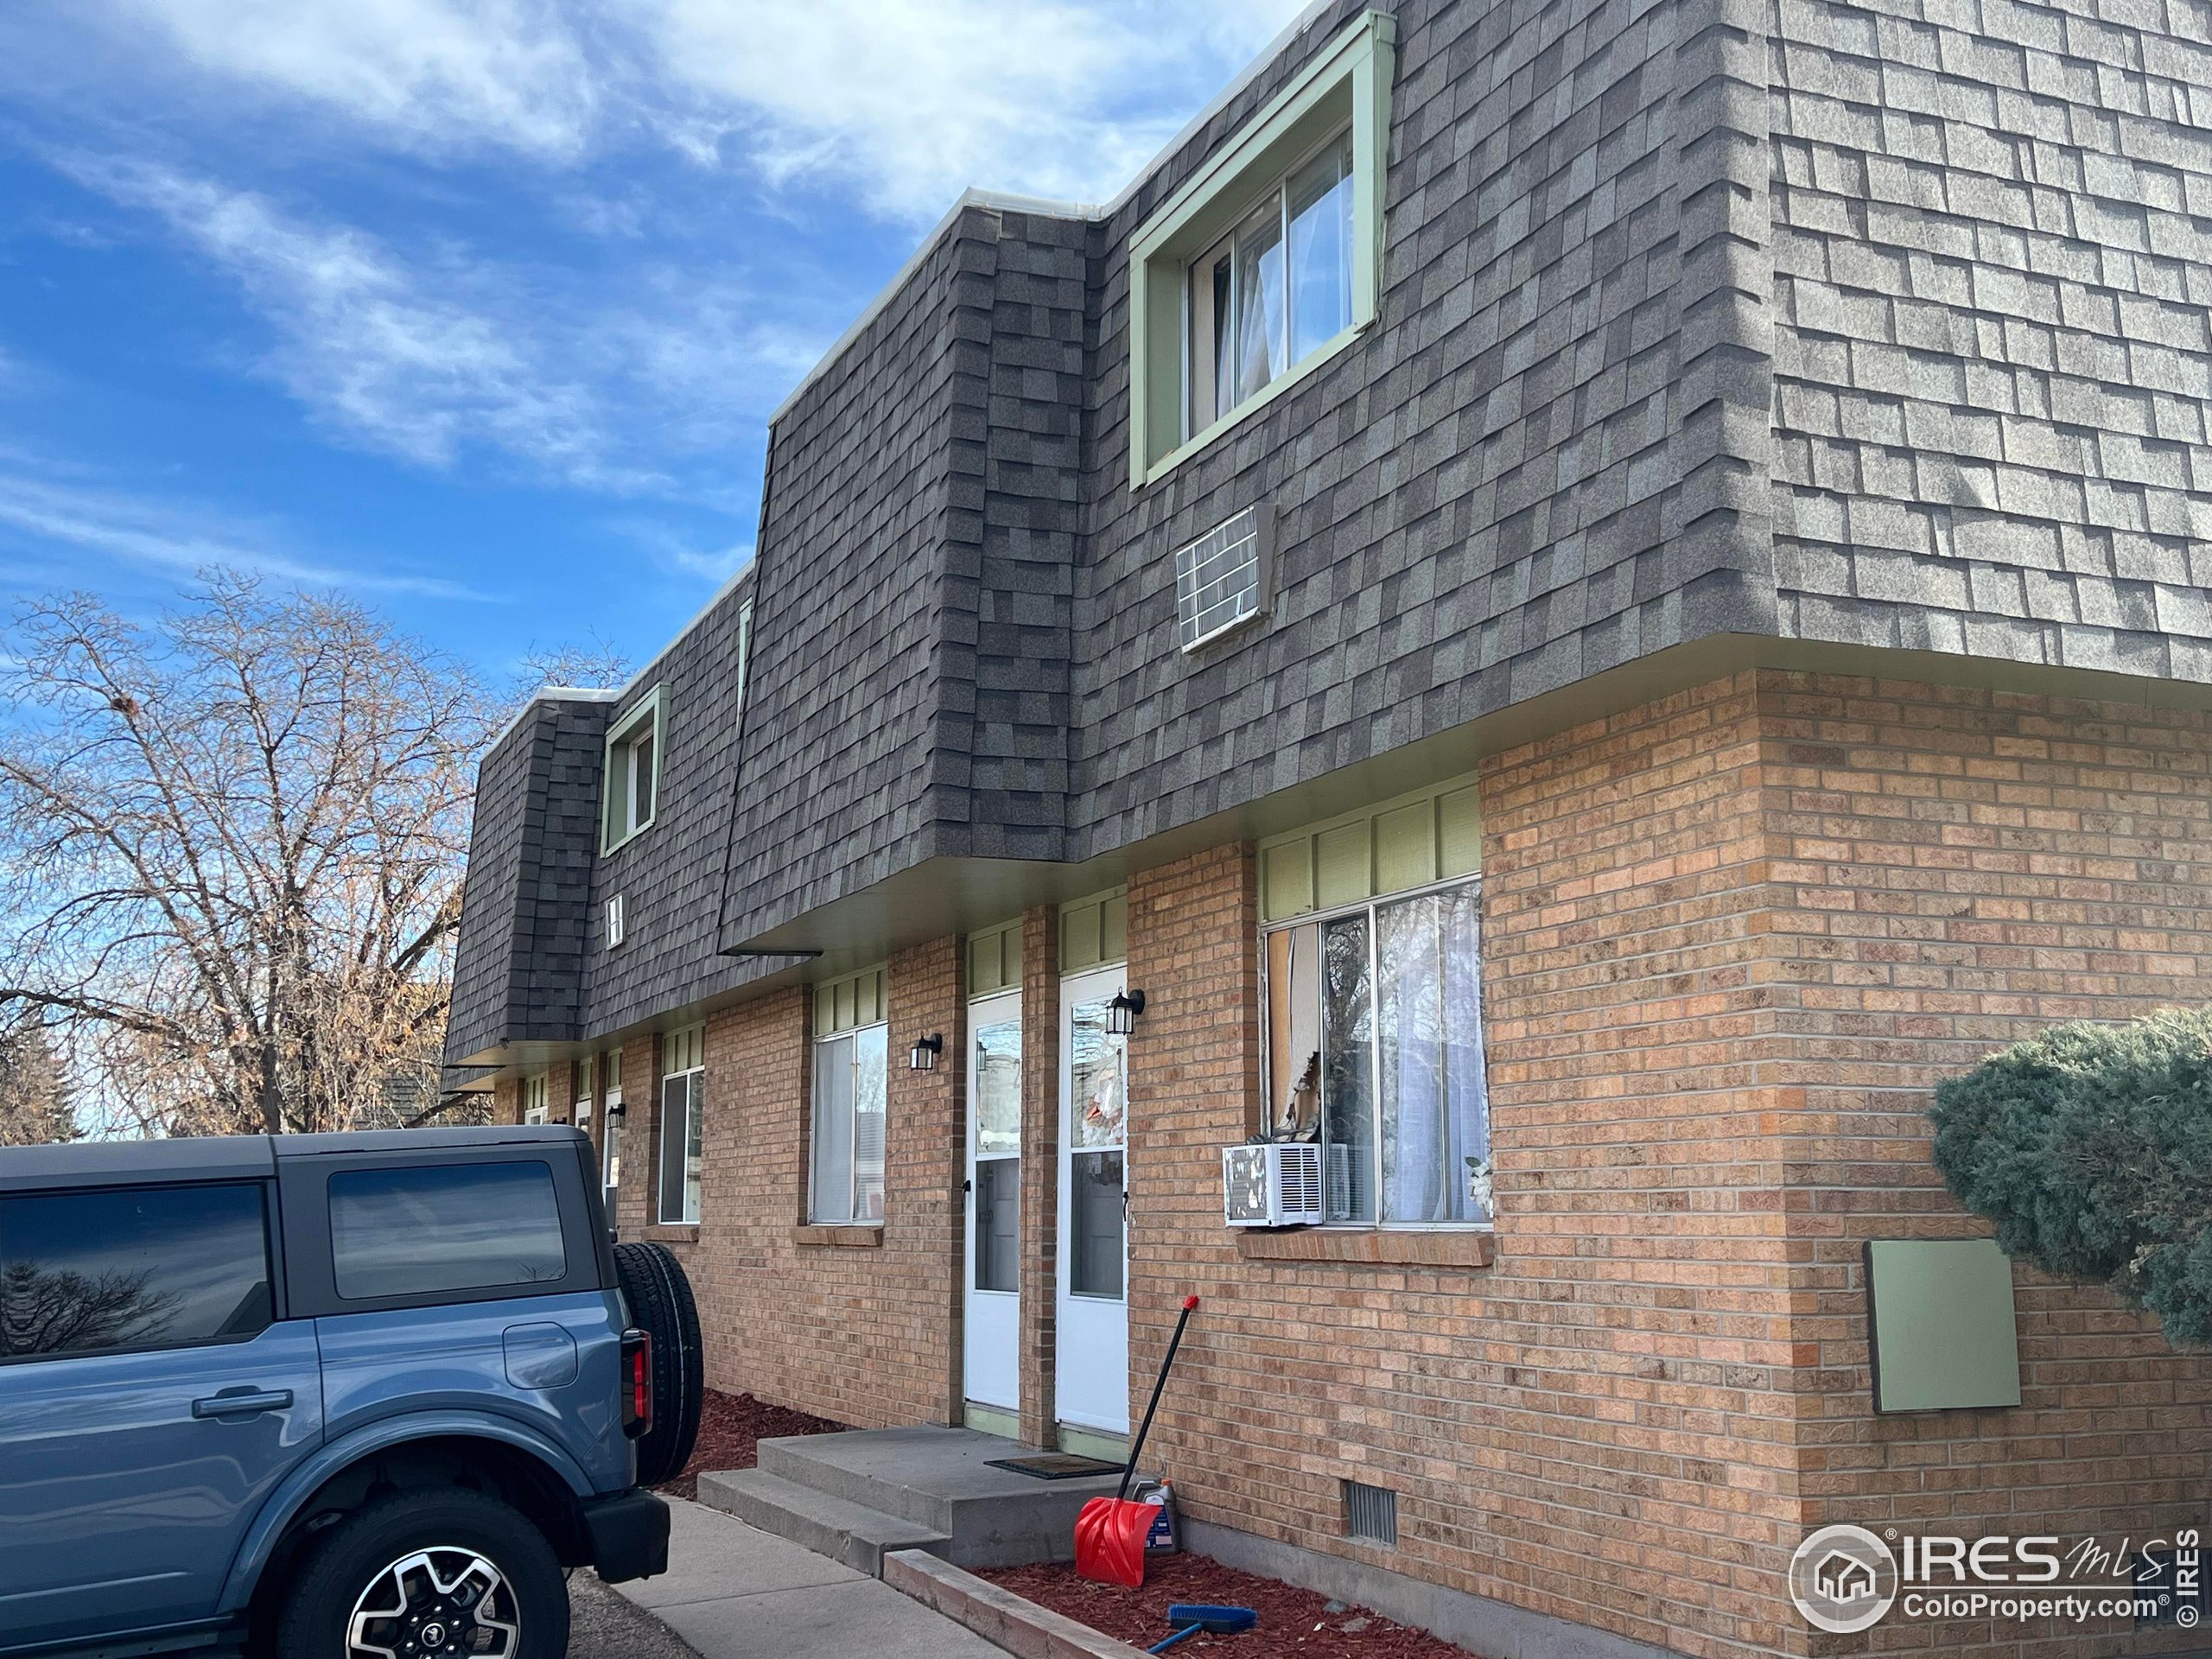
(359, 1396)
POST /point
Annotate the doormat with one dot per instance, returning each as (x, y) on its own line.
(1056, 1465)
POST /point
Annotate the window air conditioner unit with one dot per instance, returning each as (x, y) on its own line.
(1271, 1184)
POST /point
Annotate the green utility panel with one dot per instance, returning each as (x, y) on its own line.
(1939, 1316)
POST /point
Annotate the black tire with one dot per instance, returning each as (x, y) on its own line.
(659, 1296)
(353, 1567)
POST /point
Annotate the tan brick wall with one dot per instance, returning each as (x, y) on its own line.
(1954, 870)
(640, 1134)
(1610, 1397)
(868, 1337)
(1731, 939)
(1040, 1188)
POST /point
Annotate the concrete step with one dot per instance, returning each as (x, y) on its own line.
(940, 1479)
(847, 1532)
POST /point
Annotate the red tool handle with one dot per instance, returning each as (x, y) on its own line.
(1190, 1306)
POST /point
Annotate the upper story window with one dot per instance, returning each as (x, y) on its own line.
(1275, 291)
(630, 791)
(744, 648)
(1266, 263)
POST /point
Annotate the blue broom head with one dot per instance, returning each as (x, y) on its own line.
(1221, 1621)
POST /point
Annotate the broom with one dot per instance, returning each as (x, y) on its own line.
(1109, 1533)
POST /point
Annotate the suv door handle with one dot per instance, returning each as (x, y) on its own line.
(243, 1403)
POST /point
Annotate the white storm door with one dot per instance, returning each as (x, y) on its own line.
(1092, 1361)
(992, 1360)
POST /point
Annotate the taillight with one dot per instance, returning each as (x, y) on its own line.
(637, 1383)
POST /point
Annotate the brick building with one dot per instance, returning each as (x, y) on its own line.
(1586, 599)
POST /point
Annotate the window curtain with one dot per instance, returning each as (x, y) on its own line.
(1259, 304)
(1435, 1109)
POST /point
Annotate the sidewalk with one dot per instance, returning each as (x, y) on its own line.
(734, 1592)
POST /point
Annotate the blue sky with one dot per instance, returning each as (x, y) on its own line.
(478, 310)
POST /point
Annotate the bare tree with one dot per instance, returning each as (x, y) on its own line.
(596, 664)
(232, 843)
(33, 1092)
(54, 1311)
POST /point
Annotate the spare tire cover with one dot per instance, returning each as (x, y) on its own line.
(659, 1297)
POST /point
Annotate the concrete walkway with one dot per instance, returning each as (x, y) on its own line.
(735, 1592)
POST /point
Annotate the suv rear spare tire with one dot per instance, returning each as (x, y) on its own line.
(442, 1574)
(659, 1297)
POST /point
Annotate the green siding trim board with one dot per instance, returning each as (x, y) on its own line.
(850, 1002)
(683, 1051)
(1393, 847)
(994, 959)
(991, 1420)
(1094, 1443)
(1095, 930)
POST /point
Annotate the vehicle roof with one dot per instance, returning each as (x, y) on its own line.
(238, 1157)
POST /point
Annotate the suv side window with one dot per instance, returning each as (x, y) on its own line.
(417, 1229)
(157, 1267)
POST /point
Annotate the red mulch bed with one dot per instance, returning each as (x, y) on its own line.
(1291, 1620)
(731, 1427)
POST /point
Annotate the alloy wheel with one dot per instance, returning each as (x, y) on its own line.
(446, 1602)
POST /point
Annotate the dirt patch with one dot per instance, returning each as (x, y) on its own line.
(731, 1427)
(1291, 1620)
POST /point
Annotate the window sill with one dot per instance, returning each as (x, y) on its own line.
(867, 1237)
(1457, 1248)
(672, 1232)
(1327, 353)
(608, 848)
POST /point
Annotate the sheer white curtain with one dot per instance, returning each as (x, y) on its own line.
(1435, 1109)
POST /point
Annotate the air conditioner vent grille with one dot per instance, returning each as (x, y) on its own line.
(1217, 578)
(1272, 1184)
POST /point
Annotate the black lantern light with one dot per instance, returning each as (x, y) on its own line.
(924, 1058)
(1121, 1012)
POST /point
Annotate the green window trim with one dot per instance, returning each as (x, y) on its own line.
(1399, 845)
(1095, 930)
(650, 711)
(851, 1001)
(682, 1051)
(1347, 85)
(994, 959)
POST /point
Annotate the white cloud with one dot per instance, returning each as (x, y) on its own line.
(90, 516)
(439, 358)
(913, 100)
(511, 71)
(906, 101)
(674, 552)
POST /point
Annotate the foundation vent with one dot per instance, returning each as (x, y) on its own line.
(1370, 1512)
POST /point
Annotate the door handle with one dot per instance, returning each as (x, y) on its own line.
(248, 1402)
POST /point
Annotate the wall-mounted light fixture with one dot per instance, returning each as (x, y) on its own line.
(924, 1058)
(1121, 1012)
